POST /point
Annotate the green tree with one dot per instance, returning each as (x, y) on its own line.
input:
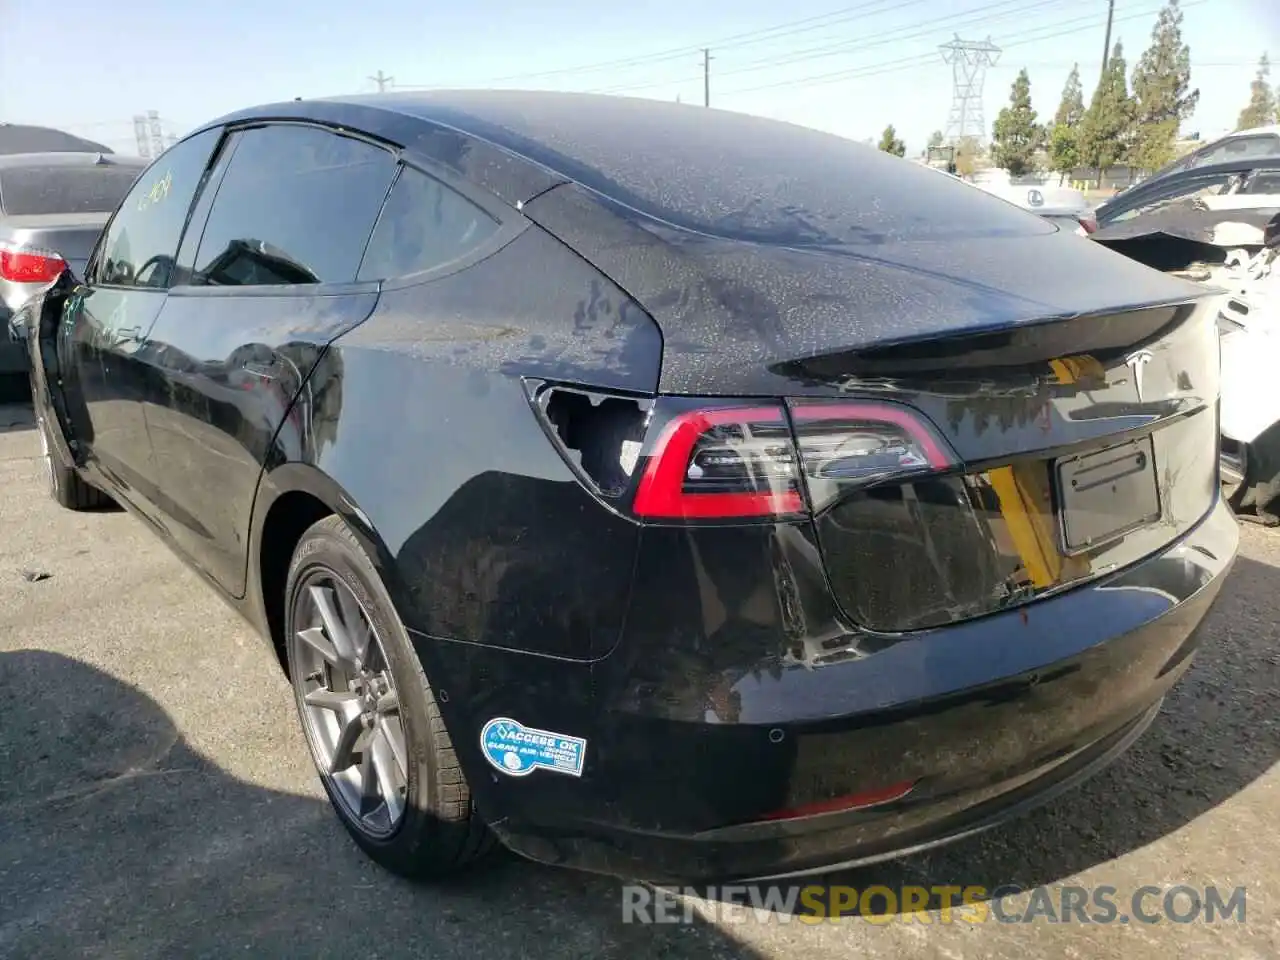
(1064, 150)
(1016, 136)
(1262, 101)
(968, 152)
(890, 143)
(1106, 131)
(1162, 92)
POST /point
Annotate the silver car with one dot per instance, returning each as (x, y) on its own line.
(52, 209)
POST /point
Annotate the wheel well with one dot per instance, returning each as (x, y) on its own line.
(289, 518)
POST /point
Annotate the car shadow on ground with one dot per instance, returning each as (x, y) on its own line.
(1216, 733)
(118, 839)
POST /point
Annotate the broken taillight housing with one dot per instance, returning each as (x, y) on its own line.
(770, 461)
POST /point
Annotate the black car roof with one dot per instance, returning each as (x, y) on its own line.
(711, 171)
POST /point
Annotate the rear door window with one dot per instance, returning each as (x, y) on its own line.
(142, 241)
(296, 206)
(60, 188)
(424, 225)
(1239, 148)
(1188, 189)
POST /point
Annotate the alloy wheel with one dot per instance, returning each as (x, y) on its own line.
(349, 705)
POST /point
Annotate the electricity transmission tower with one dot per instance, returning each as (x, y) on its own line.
(969, 61)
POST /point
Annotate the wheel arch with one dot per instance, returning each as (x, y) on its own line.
(291, 498)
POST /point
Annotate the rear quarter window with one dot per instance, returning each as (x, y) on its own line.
(34, 191)
(424, 225)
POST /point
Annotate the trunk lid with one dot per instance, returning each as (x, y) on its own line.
(1077, 389)
(71, 236)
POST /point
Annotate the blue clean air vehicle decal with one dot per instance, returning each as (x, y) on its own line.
(518, 750)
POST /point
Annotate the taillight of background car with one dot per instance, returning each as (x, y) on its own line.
(24, 264)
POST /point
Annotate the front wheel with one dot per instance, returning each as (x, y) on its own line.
(369, 715)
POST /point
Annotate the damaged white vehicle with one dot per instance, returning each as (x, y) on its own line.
(1230, 242)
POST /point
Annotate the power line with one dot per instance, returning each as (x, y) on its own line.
(764, 34)
(966, 18)
(875, 69)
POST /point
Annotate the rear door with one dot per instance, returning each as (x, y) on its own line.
(106, 319)
(267, 283)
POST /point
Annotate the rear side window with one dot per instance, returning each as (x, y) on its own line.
(424, 225)
(31, 191)
(1240, 148)
(1265, 181)
(1191, 189)
(296, 206)
(142, 242)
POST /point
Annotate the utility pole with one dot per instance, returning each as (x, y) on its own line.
(381, 81)
(706, 76)
(1106, 46)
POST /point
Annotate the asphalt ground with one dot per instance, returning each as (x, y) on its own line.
(156, 799)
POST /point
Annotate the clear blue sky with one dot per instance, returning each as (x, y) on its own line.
(848, 67)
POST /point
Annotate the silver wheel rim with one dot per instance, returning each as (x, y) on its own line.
(349, 705)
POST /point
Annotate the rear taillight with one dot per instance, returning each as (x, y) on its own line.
(1088, 224)
(856, 443)
(19, 264)
(768, 461)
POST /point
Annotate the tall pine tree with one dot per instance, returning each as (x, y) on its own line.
(1064, 149)
(1162, 92)
(1106, 132)
(1262, 101)
(1016, 136)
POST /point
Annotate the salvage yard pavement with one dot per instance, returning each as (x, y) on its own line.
(156, 799)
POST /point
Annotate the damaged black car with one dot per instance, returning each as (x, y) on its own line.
(655, 490)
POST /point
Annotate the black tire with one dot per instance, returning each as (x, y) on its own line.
(65, 485)
(1257, 497)
(439, 833)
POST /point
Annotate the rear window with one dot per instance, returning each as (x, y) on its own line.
(733, 175)
(31, 191)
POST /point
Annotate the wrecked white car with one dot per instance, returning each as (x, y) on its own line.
(1232, 243)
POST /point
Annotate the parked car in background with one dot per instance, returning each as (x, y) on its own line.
(1220, 226)
(676, 494)
(52, 210)
(1253, 176)
(1062, 206)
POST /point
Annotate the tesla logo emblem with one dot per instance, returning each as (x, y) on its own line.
(1035, 198)
(1135, 362)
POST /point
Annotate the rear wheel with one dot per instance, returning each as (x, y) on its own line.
(369, 715)
(1256, 497)
(65, 485)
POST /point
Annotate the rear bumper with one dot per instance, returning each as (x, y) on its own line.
(684, 765)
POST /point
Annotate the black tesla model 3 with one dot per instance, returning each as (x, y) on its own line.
(652, 489)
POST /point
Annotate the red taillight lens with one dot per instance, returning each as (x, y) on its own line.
(1088, 224)
(30, 265)
(852, 444)
(750, 461)
(721, 463)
